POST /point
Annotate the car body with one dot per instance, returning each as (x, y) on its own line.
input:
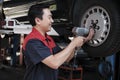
(103, 17)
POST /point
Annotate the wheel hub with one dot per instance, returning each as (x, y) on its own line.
(97, 18)
(94, 25)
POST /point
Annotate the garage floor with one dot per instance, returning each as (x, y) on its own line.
(9, 73)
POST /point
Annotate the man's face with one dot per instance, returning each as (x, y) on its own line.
(46, 22)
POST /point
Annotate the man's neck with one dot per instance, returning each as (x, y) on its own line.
(43, 33)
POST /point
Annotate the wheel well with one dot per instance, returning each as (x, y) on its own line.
(116, 3)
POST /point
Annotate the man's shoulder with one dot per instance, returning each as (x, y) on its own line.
(30, 38)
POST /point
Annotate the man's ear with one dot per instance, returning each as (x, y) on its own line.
(38, 20)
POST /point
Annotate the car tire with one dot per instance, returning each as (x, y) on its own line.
(104, 17)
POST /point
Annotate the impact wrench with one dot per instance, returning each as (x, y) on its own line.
(78, 31)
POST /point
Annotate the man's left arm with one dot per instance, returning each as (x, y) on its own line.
(89, 37)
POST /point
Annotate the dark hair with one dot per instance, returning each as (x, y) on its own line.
(36, 11)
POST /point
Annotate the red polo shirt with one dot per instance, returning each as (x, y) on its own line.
(48, 41)
(36, 48)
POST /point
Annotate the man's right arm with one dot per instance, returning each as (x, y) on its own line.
(54, 61)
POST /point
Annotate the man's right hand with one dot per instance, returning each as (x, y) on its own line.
(78, 41)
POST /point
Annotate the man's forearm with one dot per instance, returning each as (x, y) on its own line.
(54, 61)
(62, 56)
(71, 56)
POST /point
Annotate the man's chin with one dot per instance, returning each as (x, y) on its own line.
(48, 30)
